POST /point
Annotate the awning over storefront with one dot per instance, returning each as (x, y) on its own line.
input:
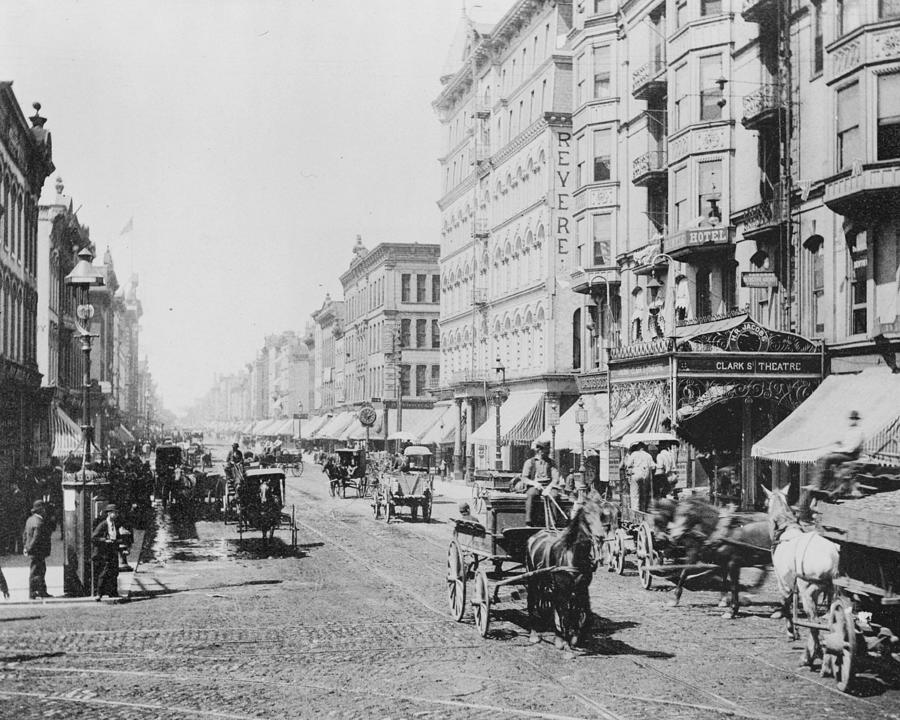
(443, 430)
(596, 430)
(415, 421)
(333, 429)
(308, 427)
(121, 434)
(521, 420)
(66, 434)
(285, 426)
(810, 431)
(638, 418)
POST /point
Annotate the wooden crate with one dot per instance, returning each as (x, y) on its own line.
(872, 522)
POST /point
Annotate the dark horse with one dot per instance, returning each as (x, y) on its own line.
(566, 558)
(708, 534)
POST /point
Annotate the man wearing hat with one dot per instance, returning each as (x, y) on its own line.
(847, 448)
(37, 546)
(539, 476)
(639, 469)
(105, 555)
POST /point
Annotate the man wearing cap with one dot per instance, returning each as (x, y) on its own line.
(539, 476)
(105, 541)
(37, 546)
(847, 448)
(639, 469)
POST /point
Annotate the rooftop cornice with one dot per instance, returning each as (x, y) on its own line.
(385, 254)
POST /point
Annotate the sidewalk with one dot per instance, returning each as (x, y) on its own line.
(16, 569)
(452, 489)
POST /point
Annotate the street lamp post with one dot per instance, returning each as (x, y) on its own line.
(581, 417)
(78, 495)
(500, 394)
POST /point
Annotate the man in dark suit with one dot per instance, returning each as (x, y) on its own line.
(37, 546)
(105, 540)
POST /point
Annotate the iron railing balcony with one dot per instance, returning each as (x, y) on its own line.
(649, 79)
(762, 107)
(759, 10)
(765, 217)
(649, 168)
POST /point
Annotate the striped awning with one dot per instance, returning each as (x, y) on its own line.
(596, 430)
(333, 429)
(640, 417)
(521, 419)
(415, 421)
(443, 429)
(812, 429)
(66, 434)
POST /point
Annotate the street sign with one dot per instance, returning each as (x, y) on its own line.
(553, 415)
(759, 279)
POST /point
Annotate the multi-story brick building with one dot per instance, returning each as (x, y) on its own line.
(391, 334)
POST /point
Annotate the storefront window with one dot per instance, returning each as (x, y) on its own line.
(849, 138)
(889, 116)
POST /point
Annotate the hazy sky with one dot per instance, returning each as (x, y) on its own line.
(250, 140)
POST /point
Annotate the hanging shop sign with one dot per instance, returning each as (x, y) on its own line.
(759, 279)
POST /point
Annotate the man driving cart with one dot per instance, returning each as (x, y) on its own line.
(539, 477)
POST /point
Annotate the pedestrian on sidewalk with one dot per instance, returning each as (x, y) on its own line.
(36, 540)
(4, 588)
(105, 555)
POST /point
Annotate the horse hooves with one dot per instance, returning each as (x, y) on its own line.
(559, 643)
(534, 638)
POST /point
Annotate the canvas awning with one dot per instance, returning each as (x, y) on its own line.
(443, 430)
(285, 426)
(811, 430)
(521, 419)
(333, 429)
(639, 417)
(415, 421)
(66, 434)
(686, 332)
(596, 430)
(308, 427)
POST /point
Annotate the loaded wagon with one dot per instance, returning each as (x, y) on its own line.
(862, 625)
(410, 486)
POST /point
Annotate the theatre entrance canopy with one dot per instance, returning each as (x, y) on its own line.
(720, 385)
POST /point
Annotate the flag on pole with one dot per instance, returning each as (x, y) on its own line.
(129, 226)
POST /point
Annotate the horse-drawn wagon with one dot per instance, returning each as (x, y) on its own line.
(347, 468)
(496, 549)
(862, 624)
(168, 462)
(411, 486)
(259, 502)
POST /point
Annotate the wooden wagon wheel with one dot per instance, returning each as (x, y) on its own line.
(481, 603)
(456, 582)
(388, 507)
(840, 643)
(617, 557)
(646, 555)
(477, 498)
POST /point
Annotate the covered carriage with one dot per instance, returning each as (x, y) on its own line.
(259, 501)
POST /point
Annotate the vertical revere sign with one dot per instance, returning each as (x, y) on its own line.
(561, 195)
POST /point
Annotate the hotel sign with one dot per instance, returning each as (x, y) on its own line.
(699, 238)
(789, 365)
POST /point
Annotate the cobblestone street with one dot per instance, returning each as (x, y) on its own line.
(355, 625)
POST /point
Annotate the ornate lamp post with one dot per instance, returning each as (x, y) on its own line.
(499, 396)
(78, 496)
(581, 417)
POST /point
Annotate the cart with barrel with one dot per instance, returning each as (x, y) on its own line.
(488, 550)
(410, 486)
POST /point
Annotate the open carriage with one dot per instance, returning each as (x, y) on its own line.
(410, 486)
(348, 470)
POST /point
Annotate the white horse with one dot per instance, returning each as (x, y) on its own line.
(803, 561)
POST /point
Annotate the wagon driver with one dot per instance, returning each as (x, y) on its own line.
(539, 476)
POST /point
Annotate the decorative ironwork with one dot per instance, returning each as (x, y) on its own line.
(750, 337)
(764, 215)
(694, 395)
(642, 78)
(594, 381)
(639, 392)
(659, 346)
(652, 161)
(766, 99)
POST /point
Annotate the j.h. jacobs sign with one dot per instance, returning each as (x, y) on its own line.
(804, 365)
